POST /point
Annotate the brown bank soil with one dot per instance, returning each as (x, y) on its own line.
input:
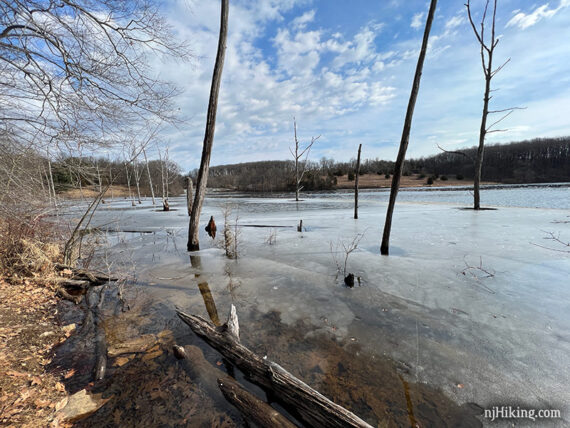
(30, 393)
(90, 193)
(375, 181)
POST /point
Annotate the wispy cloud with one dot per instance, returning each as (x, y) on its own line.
(348, 80)
(417, 21)
(523, 20)
(303, 20)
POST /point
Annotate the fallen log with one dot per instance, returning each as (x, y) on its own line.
(100, 339)
(67, 296)
(98, 278)
(312, 408)
(210, 378)
(251, 407)
(200, 370)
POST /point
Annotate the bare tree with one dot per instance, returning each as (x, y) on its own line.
(189, 194)
(149, 177)
(357, 174)
(384, 248)
(487, 49)
(75, 75)
(202, 180)
(164, 178)
(300, 164)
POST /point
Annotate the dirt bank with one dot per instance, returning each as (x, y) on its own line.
(30, 393)
(375, 181)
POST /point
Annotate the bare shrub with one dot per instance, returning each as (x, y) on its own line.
(272, 238)
(342, 263)
(29, 247)
(231, 232)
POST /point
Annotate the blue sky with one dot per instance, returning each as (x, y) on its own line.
(345, 69)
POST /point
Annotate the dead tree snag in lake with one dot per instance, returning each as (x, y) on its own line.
(356, 183)
(189, 194)
(201, 182)
(384, 248)
(298, 155)
(486, 52)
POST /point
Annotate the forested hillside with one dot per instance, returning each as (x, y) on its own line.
(535, 161)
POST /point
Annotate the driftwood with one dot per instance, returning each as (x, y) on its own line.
(200, 370)
(311, 407)
(100, 337)
(96, 278)
(67, 296)
(210, 378)
(251, 407)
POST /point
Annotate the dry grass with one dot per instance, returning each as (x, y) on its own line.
(29, 248)
(374, 181)
(90, 193)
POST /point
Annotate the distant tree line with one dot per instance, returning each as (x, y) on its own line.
(93, 173)
(540, 160)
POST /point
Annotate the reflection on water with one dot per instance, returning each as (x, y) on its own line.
(150, 387)
(196, 263)
(372, 349)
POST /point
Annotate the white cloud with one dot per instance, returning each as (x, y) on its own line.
(454, 22)
(302, 21)
(352, 88)
(417, 21)
(523, 20)
(360, 49)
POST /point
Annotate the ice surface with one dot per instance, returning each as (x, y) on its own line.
(504, 338)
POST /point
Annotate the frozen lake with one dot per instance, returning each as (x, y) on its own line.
(470, 310)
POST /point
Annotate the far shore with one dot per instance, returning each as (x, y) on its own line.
(366, 181)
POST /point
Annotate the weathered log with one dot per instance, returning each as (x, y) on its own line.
(75, 299)
(87, 275)
(100, 338)
(251, 407)
(210, 378)
(80, 284)
(312, 408)
(200, 370)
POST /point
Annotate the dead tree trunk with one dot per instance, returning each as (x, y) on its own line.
(384, 248)
(299, 174)
(189, 194)
(51, 183)
(356, 182)
(486, 52)
(251, 407)
(309, 405)
(149, 177)
(137, 174)
(129, 184)
(202, 180)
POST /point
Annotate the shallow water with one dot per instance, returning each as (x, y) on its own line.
(426, 338)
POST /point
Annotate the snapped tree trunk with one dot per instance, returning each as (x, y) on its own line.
(356, 182)
(384, 248)
(202, 180)
(312, 408)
